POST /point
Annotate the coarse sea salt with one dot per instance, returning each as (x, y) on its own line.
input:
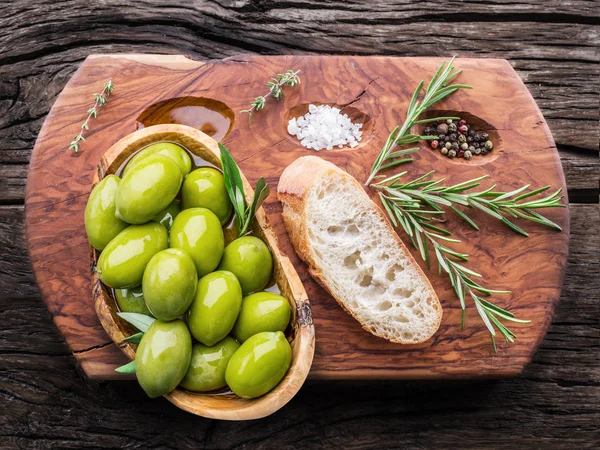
(324, 127)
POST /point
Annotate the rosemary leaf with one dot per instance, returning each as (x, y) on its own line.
(512, 226)
(396, 162)
(513, 193)
(384, 202)
(434, 119)
(485, 209)
(529, 194)
(464, 269)
(464, 217)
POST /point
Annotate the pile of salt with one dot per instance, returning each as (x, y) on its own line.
(323, 127)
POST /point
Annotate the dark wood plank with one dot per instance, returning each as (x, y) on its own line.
(47, 403)
(16, 278)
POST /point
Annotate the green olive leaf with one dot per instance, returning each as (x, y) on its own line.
(235, 190)
(127, 368)
(240, 204)
(141, 321)
(232, 176)
(134, 338)
(261, 192)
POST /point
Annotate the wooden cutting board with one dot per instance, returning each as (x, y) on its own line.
(375, 90)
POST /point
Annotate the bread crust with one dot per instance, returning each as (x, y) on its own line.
(294, 186)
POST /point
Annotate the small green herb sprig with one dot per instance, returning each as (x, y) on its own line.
(289, 78)
(235, 189)
(418, 206)
(100, 100)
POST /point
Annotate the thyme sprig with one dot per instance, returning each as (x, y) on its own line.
(417, 220)
(99, 100)
(276, 84)
(437, 89)
(500, 205)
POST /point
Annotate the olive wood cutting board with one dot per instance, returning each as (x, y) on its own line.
(373, 90)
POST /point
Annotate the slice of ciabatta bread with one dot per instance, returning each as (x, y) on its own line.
(353, 252)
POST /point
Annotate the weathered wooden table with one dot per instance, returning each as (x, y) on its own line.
(47, 403)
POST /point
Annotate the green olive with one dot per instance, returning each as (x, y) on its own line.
(173, 151)
(132, 300)
(167, 215)
(259, 364)
(163, 357)
(169, 283)
(123, 260)
(205, 188)
(262, 311)
(250, 261)
(215, 307)
(198, 231)
(208, 365)
(147, 189)
(101, 225)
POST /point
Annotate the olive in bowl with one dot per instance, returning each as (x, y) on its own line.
(250, 260)
(299, 334)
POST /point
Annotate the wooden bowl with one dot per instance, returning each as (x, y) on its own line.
(301, 334)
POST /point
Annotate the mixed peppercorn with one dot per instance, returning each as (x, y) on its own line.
(456, 139)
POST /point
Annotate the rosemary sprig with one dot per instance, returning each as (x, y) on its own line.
(100, 99)
(289, 78)
(438, 89)
(417, 206)
(418, 223)
(235, 189)
(500, 205)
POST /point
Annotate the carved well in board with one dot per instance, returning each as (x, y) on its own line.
(355, 115)
(210, 116)
(477, 123)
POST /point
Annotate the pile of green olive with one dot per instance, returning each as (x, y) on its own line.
(159, 229)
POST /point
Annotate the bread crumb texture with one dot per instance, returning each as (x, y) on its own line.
(365, 267)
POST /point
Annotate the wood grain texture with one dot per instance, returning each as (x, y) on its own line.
(46, 401)
(532, 269)
(302, 332)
